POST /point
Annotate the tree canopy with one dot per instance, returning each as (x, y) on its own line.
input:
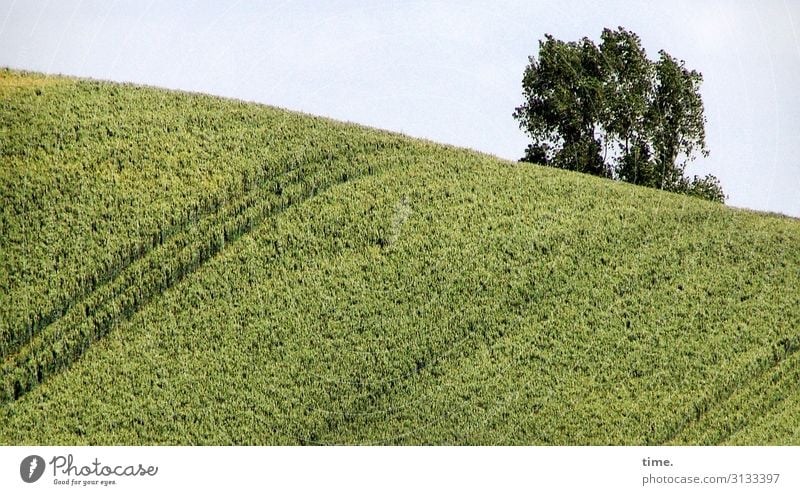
(608, 110)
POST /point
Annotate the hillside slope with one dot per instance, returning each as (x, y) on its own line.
(184, 269)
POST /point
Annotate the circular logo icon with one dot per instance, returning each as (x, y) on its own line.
(31, 468)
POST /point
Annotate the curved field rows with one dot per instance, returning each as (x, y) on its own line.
(375, 290)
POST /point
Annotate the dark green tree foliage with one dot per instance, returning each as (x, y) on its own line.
(677, 121)
(608, 110)
(563, 92)
(627, 92)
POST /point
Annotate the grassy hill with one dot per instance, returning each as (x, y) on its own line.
(183, 269)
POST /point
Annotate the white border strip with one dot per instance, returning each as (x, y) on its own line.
(372, 470)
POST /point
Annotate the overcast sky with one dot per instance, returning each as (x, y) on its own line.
(445, 70)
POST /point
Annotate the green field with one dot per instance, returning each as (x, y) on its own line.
(183, 269)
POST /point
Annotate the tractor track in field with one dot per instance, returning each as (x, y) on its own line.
(61, 343)
(786, 377)
(785, 349)
(22, 333)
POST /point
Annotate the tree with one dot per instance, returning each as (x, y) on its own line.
(627, 91)
(677, 120)
(563, 92)
(608, 110)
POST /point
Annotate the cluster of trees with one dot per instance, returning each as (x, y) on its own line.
(608, 110)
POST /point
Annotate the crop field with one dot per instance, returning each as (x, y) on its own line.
(183, 269)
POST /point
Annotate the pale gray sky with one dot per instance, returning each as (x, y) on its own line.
(445, 70)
